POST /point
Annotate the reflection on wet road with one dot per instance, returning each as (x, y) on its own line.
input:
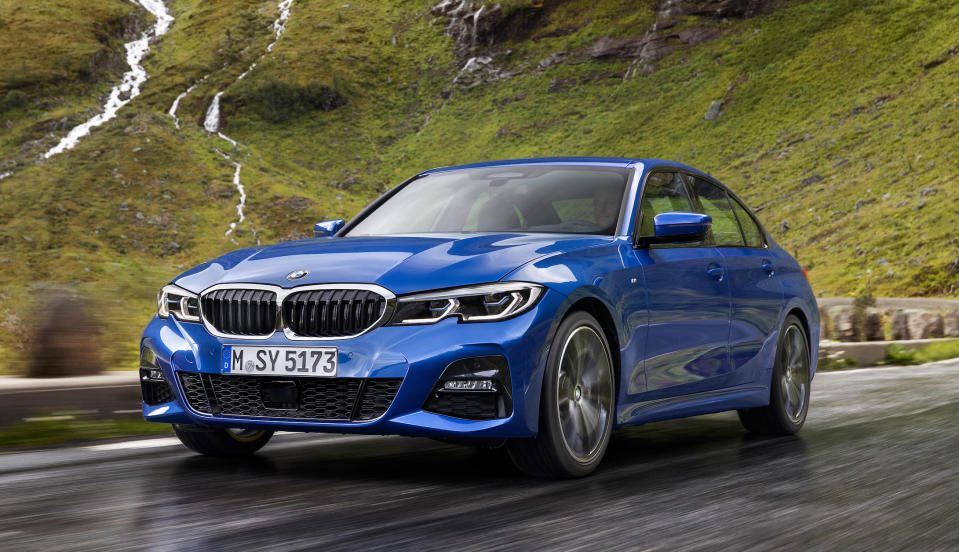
(875, 468)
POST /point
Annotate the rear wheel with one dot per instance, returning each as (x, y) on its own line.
(222, 442)
(790, 386)
(576, 404)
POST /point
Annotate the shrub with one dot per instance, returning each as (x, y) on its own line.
(13, 100)
(859, 305)
(897, 354)
(277, 101)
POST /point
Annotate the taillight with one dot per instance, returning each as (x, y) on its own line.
(806, 273)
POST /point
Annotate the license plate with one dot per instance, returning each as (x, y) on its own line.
(319, 362)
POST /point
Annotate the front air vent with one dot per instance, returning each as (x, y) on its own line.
(332, 312)
(306, 313)
(241, 312)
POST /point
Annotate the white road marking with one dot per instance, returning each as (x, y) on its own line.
(138, 444)
(49, 418)
(133, 411)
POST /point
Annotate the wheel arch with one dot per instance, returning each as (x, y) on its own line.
(798, 312)
(810, 322)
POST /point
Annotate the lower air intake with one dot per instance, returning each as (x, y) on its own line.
(321, 399)
(155, 392)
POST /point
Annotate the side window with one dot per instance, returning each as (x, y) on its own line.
(714, 202)
(662, 193)
(754, 235)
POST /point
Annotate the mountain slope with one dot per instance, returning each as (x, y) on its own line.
(836, 121)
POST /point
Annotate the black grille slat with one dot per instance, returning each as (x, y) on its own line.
(255, 313)
(246, 307)
(322, 399)
(246, 312)
(228, 309)
(335, 312)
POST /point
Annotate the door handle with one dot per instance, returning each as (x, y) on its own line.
(768, 267)
(715, 272)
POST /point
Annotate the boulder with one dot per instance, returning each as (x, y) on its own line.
(900, 325)
(923, 324)
(714, 110)
(844, 327)
(825, 324)
(872, 325)
(950, 324)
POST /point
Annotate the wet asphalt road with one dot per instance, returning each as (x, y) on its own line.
(875, 468)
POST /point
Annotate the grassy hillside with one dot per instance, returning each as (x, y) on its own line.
(837, 122)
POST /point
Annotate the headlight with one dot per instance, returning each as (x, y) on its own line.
(179, 302)
(482, 303)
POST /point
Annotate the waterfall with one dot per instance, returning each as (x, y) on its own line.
(131, 81)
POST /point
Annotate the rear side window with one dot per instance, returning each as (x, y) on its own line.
(714, 202)
(754, 236)
(662, 193)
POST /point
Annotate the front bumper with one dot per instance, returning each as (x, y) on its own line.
(416, 354)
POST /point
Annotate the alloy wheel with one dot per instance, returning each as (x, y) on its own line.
(584, 393)
(794, 382)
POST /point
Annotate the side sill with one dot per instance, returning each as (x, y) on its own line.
(707, 402)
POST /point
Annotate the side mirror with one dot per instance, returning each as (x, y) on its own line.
(680, 226)
(327, 228)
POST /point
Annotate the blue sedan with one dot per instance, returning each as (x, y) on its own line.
(532, 304)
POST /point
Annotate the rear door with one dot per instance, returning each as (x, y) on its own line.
(757, 295)
(688, 298)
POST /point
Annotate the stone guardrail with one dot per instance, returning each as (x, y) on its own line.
(891, 319)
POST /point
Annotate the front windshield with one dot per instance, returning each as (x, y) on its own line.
(567, 200)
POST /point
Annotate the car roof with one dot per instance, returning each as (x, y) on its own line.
(623, 162)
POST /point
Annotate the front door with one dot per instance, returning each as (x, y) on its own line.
(688, 299)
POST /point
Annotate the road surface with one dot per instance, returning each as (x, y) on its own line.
(875, 468)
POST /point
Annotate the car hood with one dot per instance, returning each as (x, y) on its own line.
(402, 264)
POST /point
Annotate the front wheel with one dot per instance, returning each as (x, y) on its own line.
(789, 388)
(222, 442)
(576, 406)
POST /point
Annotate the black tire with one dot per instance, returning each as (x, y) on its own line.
(221, 442)
(781, 416)
(549, 454)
